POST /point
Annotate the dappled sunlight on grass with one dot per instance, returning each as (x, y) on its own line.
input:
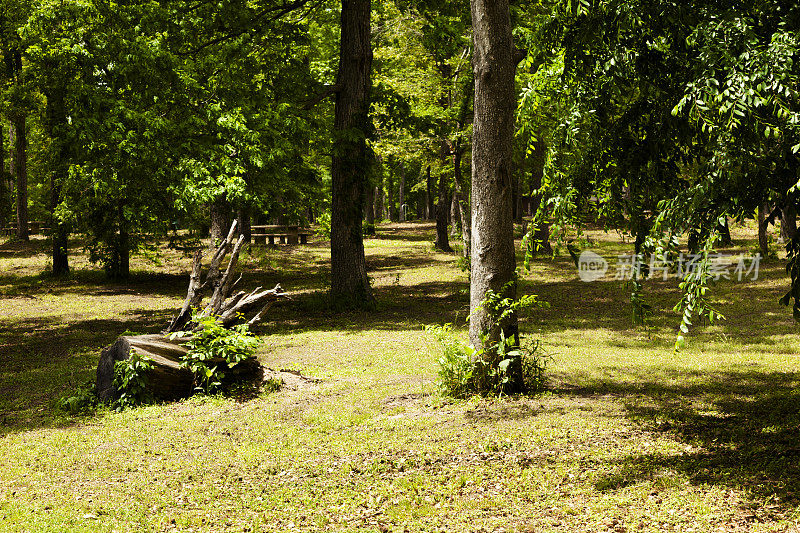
(630, 436)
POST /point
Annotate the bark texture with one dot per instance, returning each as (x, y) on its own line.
(349, 282)
(220, 219)
(493, 262)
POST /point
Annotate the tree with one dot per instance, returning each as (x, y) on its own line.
(350, 162)
(493, 261)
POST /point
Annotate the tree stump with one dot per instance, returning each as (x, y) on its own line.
(168, 380)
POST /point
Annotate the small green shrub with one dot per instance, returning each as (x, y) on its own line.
(455, 363)
(83, 400)
(130, 381)
(211, 344)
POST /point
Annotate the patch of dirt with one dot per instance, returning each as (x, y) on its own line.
(290, 379)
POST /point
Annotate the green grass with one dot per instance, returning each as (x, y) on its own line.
(629, 437)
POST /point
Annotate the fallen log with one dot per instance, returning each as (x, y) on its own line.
(168, 379)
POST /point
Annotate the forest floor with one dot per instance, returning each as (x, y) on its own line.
(629, 436)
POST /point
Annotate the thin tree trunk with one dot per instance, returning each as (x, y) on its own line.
(5, 196)
(763, 243)
(21, 169)
(402, 194)
(493, 261)
(429, 197)
(541, 235)
(124, 246)
(349, 282)
(454, 218)
(442, 207)
(390, 207)
(370, 205)
(379, 203)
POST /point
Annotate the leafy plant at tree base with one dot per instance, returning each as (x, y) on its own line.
(500, 368)
(213, 348)
(130, 381)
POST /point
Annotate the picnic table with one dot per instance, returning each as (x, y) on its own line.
(284, 234)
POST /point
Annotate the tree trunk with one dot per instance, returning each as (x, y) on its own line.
(725, 234)
(243, 219)
(391, 211)
(21, 171)
(5, 190)
(220, 219)
(454, 218)
(493, 261)
(370, 205)
(788, 221)
(379, 203)
(349, 282)
(56, 118)
(541, 236)
(402, 194)
(429, 197)
(442, 207)
(763, 243)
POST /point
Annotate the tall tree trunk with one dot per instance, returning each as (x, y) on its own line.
(379, 203)
(763, 243)
(21, 170)
(788, 221)
(493, 261)
(220, 219)
(454, 218)
(124, 247)
(402, 194)
(349, 282)
(56, 118)
(429, 196)
(541, 235)
(442, 208)
(391, 212)
(370, 205)
(5, 193)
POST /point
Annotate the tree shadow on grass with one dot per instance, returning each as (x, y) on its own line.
(42, 360)
(741, 429)
(14, 249)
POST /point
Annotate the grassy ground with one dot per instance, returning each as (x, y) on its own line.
(629, 437)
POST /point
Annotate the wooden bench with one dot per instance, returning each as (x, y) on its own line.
(284, 234)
